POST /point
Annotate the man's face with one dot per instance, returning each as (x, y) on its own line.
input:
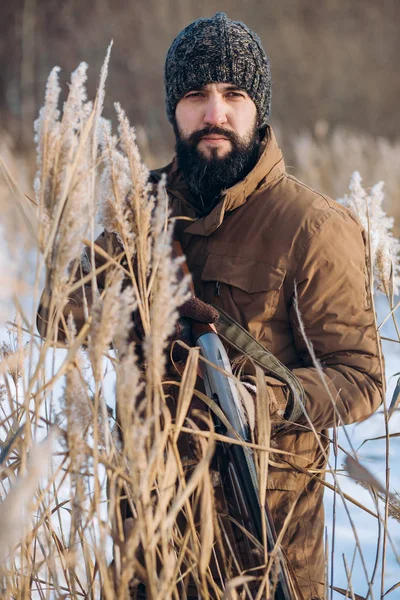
(216, 105)
(217, 139)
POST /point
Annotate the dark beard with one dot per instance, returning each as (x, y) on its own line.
(208, 176)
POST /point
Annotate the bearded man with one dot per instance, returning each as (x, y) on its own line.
(264, 248)
(258, 240)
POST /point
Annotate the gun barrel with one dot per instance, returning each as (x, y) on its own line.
(221, 387)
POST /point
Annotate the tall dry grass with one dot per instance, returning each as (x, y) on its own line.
(60, 544)
(62, 520)
(326, 158)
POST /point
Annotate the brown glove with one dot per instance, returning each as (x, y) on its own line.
(193, 309)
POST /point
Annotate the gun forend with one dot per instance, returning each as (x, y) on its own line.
(218, 385)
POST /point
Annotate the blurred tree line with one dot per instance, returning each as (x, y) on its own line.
(333, 61)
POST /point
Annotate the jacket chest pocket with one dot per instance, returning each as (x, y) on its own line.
(247, 289)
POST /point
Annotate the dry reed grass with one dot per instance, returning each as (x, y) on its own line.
(326, 159)
(59, 543)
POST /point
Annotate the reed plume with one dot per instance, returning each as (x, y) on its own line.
(130, 500)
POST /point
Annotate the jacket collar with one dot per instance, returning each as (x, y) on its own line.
(270, 165)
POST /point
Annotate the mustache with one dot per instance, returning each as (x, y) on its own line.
(196, 136)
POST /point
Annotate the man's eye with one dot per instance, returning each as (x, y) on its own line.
(195, 95)
(236, 94)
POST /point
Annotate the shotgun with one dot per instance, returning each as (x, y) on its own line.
(239, 475)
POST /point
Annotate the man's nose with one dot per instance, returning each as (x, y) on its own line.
(215, 113)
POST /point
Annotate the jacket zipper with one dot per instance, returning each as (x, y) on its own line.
(217, 291)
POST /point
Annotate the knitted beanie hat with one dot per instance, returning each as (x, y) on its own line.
(218, 50)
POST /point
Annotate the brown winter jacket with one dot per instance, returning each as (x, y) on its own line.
(269, 235)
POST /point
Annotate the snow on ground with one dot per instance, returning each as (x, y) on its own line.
(372, 456)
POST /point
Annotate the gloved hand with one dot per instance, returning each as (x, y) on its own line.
(192, 310)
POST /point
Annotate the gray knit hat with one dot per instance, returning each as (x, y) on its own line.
(218, 50)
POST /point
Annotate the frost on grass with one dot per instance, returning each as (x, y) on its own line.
(385, 248)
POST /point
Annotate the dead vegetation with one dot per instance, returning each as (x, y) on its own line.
(58, 526)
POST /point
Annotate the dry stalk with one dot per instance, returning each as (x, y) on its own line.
(158, 518)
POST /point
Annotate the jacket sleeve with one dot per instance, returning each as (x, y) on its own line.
(76, 299)
(334, 302)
